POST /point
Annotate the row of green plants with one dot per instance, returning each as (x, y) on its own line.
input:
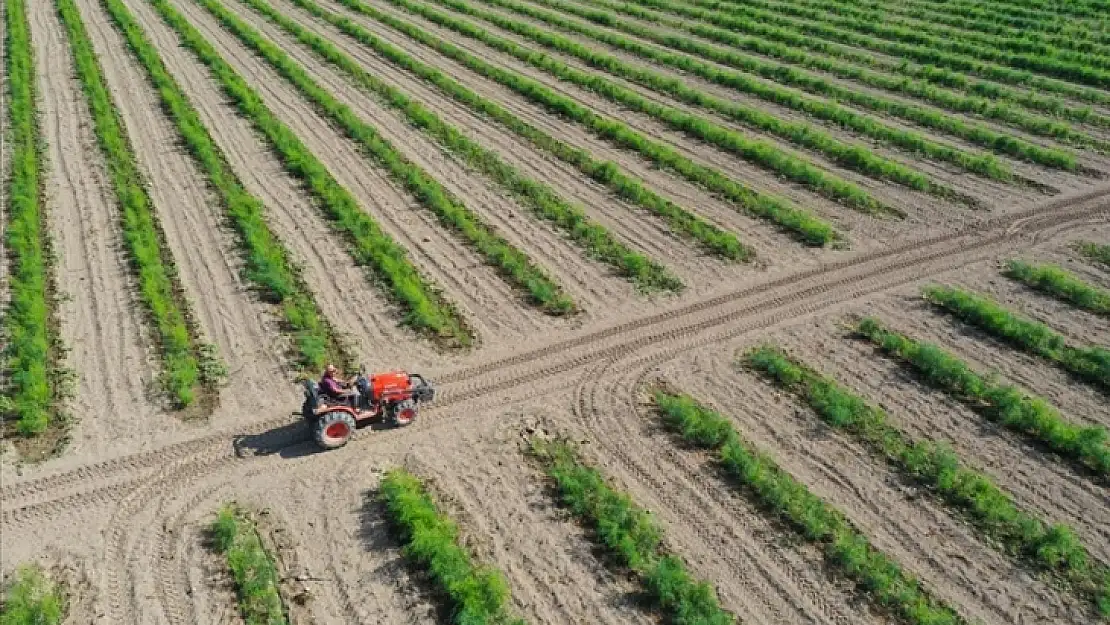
(234, 534)
(1061, 76)
(1061, 284)
(928, 29)
(758, 152)
(31, 597)
(819, 86)
(1032, 416)
(630, 535)
(987, 99)
(1088, 363)
(267, 263)
(965, 17)
(515, 266)
(845, 548)
(1049, 61)
(733, 17)
(424, 309)
(31, 344)
(1096, 252)
(999, 17)
(478, 595)
(682, 222)
(1079, 9)
(798, 221)
(544, 201)
(1051, 548)
(187, 364)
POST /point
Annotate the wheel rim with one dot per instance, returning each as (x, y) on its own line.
(336, 430)
(406, 415)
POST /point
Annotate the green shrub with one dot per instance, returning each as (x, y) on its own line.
(268, 265)
(252, 567)
(478, 595)
(800, 222)
(679, 220)
(1089, 363)
(1097, 252)
(1015, 409)
(1061, 284)
(425, 310)
(540, 198)
(32, 598)
(630, 534)
(1050, 548)
(845, 549)
(152, 263)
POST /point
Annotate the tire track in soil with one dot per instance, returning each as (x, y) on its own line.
(355, 308)
(100, 318)
(489, 304)
(631, 224)
(592, 284)
(197, 233)
(690, 328)
(756, 583)
(924, 536)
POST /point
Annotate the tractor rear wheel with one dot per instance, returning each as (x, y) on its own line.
(403, 413)
(334, 429)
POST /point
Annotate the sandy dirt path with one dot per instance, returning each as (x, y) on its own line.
(489, 303)
(590, 283)
(198, 235)
(101, 320)
(356, 310)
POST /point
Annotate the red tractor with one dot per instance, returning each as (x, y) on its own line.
(391, 397)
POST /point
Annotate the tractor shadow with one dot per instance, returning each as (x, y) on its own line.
(293, 440)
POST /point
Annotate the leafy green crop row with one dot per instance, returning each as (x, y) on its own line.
(735, 19)
(818, 85)
(235, 535)
(989, 100)
(1017, 69)
(29, 352)
(425, 310)
(31, 598)
(515, 265)
(681, 221)
(1029, 415)
(758, 152)
(542, 199)
(478, 595)
(1089, 363)
(630, 534)
(182, 355)
(1053, 549)
(846, 549)
(1044, 60)
(267, 263)
(999, 18)
(791, 218)
(1061, 284)
(1097, 252)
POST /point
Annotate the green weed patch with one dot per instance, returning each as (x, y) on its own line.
(32, 598)
(1061, 284)
(1097, 252)
(608, 173)
(370, 246)
(185, 362)
(800, 222)
(845, 549)
(1053, 549)
(478, 595)
(235, 535)
(1013, 408)
(1088, 363)
(268, 265)
(630, 534)
(540, 198)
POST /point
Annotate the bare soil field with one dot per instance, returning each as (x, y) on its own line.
(676, 246)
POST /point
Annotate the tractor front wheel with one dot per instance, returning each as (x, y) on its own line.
(403, 413)
(334, 429)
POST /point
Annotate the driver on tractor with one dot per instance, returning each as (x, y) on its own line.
(337, 389)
